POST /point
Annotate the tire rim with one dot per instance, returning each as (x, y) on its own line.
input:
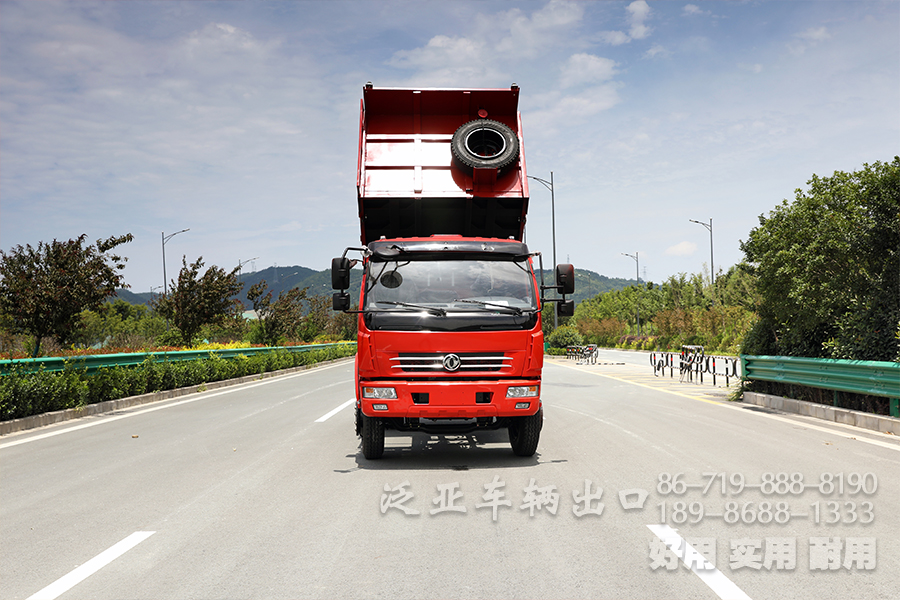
(485, 143)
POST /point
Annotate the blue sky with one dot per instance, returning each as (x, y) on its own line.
(238, 120)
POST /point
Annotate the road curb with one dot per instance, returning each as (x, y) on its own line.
(68, 414)
(846, 416)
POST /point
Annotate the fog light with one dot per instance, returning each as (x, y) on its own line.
(521, 405)
(380, 393)
(522, 391)
(379, 407)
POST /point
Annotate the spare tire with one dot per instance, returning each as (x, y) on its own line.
(485, 144)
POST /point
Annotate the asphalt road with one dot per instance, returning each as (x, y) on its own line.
(261, 491)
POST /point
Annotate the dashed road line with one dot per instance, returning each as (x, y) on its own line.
(723, 587)
(73, 578)
(330, 414)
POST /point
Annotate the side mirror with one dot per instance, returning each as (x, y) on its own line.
(340, 273)
(565, 279)
(565, 309)
(340, 301)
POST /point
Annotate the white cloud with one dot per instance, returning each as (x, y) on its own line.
(449, 62)
(657, 50)
(682, 249)
(589, 102)
(528, 36)
(815, 34)
(807, 39)
(615, 38)
(639, 10)
(693, 9)
(586, 68)
(493, 40)
(442, 51)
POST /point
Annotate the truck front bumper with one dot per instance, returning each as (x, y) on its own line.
(449, 399)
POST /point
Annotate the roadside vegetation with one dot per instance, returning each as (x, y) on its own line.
(820, 278)
(24, 394)
(57, 300)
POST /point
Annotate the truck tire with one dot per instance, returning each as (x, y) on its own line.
(485, 144)
(525, 432)
(372, 437)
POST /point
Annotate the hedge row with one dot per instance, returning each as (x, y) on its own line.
(26, 394)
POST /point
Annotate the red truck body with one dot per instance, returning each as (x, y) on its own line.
(449, 323)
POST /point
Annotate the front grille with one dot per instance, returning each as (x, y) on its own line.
(468, 362)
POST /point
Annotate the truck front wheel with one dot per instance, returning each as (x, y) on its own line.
(525, 432)
(372, 437)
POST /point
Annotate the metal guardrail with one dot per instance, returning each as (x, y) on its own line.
(93, 362)
(693, 362)
(872, 378)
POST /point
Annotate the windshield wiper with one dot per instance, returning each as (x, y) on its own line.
(432, 309)
(515, 309)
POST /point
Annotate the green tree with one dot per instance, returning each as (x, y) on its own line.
(119, 323)
(344, 326)
(317, 318)
(43, 290)
(828, 268)
(276, 317)
(194, 301)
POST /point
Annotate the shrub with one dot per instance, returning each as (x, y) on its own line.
(24, 394)
(565, 336)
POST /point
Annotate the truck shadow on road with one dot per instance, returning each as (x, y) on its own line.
(471, 451)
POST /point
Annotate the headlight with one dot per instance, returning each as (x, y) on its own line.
(522, 391)
(380, 393)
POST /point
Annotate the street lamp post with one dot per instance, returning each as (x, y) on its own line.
(549, 186)
(637, 269)
(166, 238)
(241, 264)
(712, 266)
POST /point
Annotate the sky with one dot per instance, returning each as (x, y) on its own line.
(239, 120)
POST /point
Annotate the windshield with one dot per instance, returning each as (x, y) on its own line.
(445, 286)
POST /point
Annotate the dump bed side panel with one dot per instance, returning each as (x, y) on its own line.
(409, 184)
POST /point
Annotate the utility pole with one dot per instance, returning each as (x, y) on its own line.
(549, 186)
(712, 266)
(166, 238)
(637, 304)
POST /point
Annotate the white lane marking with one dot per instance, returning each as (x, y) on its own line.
(324, 418)
(67, 582)
(723, 587)
(199, 396)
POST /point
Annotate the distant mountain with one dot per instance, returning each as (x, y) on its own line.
(278, 279)
(587, 283)
(131, 297)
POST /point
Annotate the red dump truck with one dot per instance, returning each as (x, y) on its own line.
(449, 312)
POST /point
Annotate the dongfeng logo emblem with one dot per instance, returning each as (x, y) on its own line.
(451, 362)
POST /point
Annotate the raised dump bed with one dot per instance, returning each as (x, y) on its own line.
(441, 162)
